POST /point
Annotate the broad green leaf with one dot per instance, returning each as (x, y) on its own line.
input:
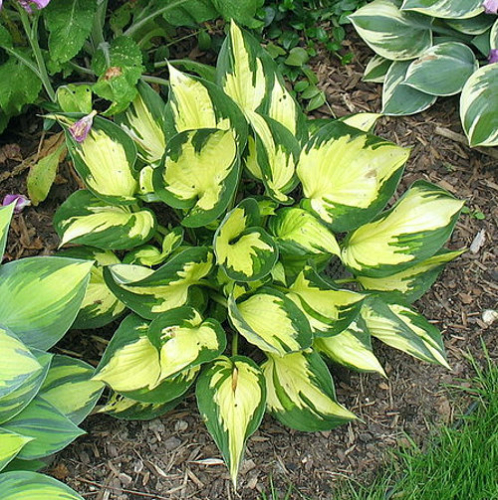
(244, 250)
(301, 394)
(25, 465)
(413, 282)
(11, 444)
(352, 348)
(362, 121)
(69, 24)
(471, 26)
(376, 70)
(69, 388)
(403, 328)
(231, 397)
(347, 175)
(409, 233)
(243, 12)
(26, 485)
(75, 98)
(105, 161)
(493, 36)
(150, 292)
(190, 12)
(447, 9)
(479, 107)
(391, 33)
(41, 297)
(5, 217)
(50, 429)
(87, 220)
(200, 174)
(399, 98)
(442, 70)
(271, 321)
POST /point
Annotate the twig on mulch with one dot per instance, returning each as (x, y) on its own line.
(449, 134)
(121, 490)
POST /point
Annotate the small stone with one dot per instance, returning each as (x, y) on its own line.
(181, 426)
(172, 443)
(489, 316)
(125, 479)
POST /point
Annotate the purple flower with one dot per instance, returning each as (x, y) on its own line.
(493, 56)
(79, 130)
(40, 4)
(490, 6)
(20, 201)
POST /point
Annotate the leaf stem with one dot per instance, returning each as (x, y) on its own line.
(155, 79)
(235, 343)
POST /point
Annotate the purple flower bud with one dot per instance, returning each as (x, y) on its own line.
(20, 201)
(40, 4)
(493, 56)
(490, 6)
(79, 130)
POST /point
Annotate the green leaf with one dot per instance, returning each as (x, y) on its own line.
(75, 98)
(191, 13)
(376, 69)
(87, 220)
(301, 392)
(243, 11)
(361, 121)
(69, 24)
(231, 397)
(297, 57)
(41, 297)
(447, 9)
(11, 445)
(471, 26)
(5, 217)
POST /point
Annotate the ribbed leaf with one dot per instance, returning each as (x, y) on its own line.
(231, 397)
(11, 444)
(447, 9)
(5, 216)
(301, 392)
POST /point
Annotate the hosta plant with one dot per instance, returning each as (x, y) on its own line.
(430, 49)
(43, 396)
(249, 246)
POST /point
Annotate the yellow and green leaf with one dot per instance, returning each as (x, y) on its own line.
(11, 444)
(362, 121)
(5, 216)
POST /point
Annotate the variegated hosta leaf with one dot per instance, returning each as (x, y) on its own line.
(144, 123)
(41, 297)
(244, 250)
(479, 107)
(403, 328)
(87, 220)
(11, 444)
(329, 310)
(399, 98)
(271, 321)
(12, 403)
(200, 174)
(442, 70)
(362, 121)
(299, 234)
(376, 69)
(100, 306)
(149, 292)
(5, 216)
(105, 160)
(412, 231)
(301, 394)
(347, 175)
(50, 429)
(69, 388)
(493, 36)
(391, 33)
(231, 397)
(26, 485)
(471, 26)
(413, 282)
(352, 348)
(447, 9)
(25, 465)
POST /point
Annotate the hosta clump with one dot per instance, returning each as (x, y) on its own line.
(43, 396)
(427, 49)
(236, 296)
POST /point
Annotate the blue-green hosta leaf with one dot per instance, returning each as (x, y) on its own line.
(105, 161)
(300, 234)
(376, 70)
(329, 310)
(231, 397)
(446, 9)
(479, 107)
(200, 174)
(144, 123)
(442, 70)
(271, 321)
(26, 485)
(412, 231)
(362, 121)
(41, 297)
(493, 36)
(352, 348)
(149, 292)
(413, 282)
(69, 388)
(50, 429)
(392, 33)
(85, 219)
(244, 250)
(471, 26)
(347, 175)
(25, 465)
(403, 328)
(11, 444)
(5, 216)
(399, 98)
(301, 392)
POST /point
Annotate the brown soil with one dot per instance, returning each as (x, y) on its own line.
(173, 457)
